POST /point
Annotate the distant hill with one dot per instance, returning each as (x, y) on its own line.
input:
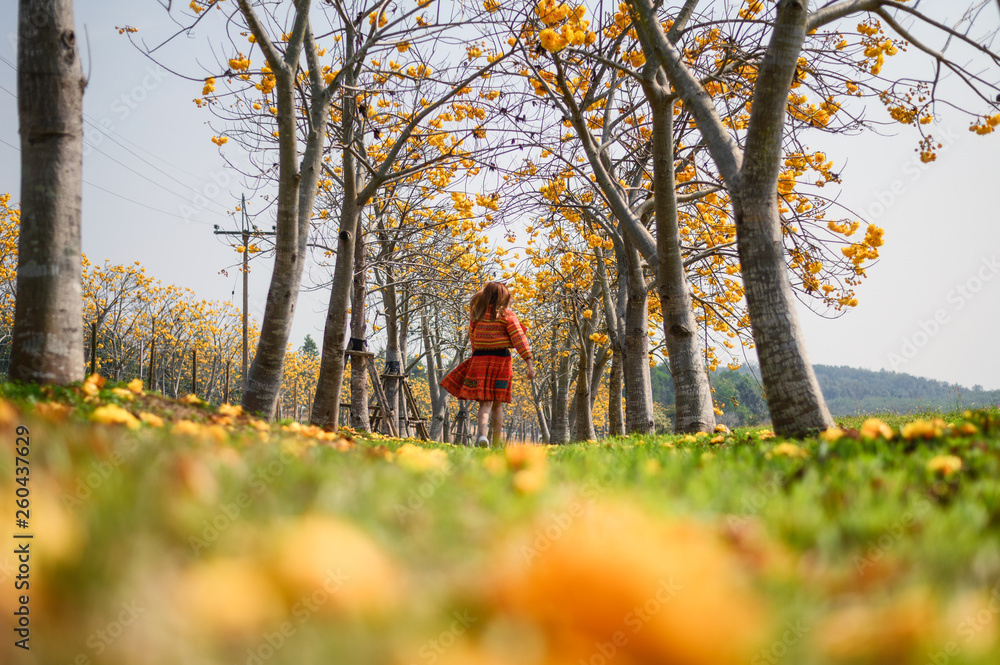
(848, 391)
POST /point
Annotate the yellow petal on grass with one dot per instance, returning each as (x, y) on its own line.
(873, 428)
(8, 414)
(337, 560)
(923, 429)
(419, 459)
(51, 411)
(946, 465)
(832, 434)
(523, 456)
(672, 586)
(112, 414)
(789, 450)
(192, 399)
(717, 439)
(151, 419)
(228, 596)
(124, 394)
(231, 410)
(93, 384)
(530, 480)
(135, 385)
(721, 429)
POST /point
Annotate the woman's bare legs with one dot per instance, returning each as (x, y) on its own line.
(483, 419)
(497, 414)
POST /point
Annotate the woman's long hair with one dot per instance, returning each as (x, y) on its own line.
(493, 293)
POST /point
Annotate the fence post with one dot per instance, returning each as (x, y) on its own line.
(93, 348)
(152, 353)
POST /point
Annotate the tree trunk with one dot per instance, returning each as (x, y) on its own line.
(559, 421)
(695, 411)
(438, 395)
(393, 361)
(616, 415)
(794, 398)
(326, 404)
(638, 386)
(583, 429)
(47, 344)
(360, 417)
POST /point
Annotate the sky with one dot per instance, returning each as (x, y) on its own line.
(155, 185)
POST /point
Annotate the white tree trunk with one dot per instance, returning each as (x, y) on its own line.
(48, 314)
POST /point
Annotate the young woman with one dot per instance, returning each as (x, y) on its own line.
(486, 376)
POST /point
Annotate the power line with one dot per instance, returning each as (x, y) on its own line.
(162, 212)
(125, 198)
(137, 156)
(144, 177)
(144, 161)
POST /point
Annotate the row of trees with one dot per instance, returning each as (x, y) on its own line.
(628, 151)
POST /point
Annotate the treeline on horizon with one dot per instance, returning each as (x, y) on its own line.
(848, 391)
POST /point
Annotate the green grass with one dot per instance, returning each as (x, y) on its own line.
(866, 553)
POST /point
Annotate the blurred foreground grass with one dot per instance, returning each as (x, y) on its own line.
(172, 532)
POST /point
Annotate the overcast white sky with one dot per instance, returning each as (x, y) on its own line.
(931, 307)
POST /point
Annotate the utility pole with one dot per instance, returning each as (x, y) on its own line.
(246, 230)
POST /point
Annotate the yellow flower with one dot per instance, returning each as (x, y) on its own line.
(944, 464)
(832, 434)
(92, 386)
(122, 393)
(873, 428)
(923, 429)
(321, 552)
(151, 419)
(552, 41)
(191, 399)
(135, 385)
(186, 428)
(766, 434)
(230, 410)
(788, 450)
(576, 585)
(419, 459)
(721, 429)
(112, 414)
(229, 595)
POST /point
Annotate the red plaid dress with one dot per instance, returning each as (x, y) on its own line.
(487, 378)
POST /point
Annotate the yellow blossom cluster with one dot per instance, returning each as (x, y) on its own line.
(574, 30)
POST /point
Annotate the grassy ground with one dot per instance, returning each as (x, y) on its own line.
(214, 538)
